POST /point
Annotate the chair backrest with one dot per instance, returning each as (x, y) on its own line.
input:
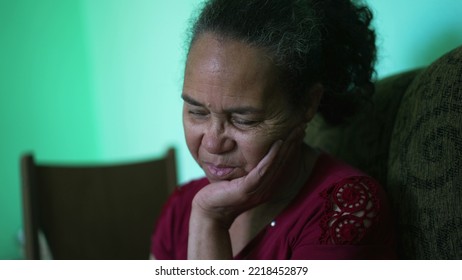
(410, 139)
(94, 212)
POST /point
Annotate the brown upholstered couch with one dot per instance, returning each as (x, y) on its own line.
(410, 138)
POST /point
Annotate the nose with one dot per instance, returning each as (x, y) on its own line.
(215, 140)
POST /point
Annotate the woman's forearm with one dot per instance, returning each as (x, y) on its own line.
(208, 239)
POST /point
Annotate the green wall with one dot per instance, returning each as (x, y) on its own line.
(45, 97)
(99, 81)
(412, 33)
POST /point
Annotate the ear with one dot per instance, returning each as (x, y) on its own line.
(314, 94)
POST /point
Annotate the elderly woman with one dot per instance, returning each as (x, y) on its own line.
(257, 72)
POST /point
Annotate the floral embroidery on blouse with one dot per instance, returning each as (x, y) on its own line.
(350, 210)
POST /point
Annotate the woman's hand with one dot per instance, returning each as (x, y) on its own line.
(217, 205)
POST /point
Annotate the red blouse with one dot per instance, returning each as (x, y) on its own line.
(341, 213)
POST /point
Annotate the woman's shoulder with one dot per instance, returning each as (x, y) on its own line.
(331, 169)
(354, 203)
(352, 208)
(341, 213)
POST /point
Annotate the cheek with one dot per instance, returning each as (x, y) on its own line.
(254, 147)
(193, 138)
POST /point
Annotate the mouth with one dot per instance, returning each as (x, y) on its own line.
(217, 172)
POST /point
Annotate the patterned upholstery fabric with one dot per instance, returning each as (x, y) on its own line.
(425, 164)
(409, 137)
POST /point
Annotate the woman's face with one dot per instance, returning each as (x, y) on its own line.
(234, 108)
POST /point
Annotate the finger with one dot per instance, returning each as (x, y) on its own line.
(285, 153)
(253, 179)
(269, 158)
(289, 145)
(271, 165)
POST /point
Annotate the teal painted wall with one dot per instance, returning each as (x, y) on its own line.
(99, 81)
(45, 97)
(413, 33)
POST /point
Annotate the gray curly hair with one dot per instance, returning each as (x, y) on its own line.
(327, 41)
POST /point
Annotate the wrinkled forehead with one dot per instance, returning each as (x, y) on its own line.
(213, 53)
(229, 68)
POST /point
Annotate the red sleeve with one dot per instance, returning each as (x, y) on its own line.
(355, 224)
(162, 240)
(170, 238)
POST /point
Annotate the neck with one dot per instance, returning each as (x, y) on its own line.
(295, 175)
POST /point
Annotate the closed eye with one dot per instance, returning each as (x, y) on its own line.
(244, 122)
(198, 113)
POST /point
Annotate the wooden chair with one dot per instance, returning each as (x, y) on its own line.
(94, 212)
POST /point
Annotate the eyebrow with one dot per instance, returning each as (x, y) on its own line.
(242, 110)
